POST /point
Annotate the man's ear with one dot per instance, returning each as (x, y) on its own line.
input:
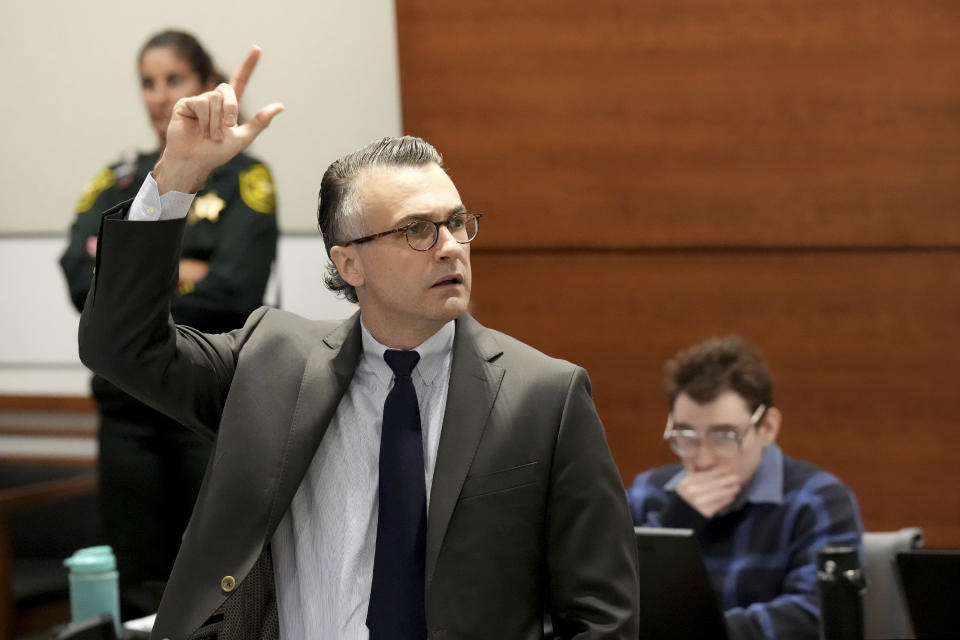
(347, 260)
(769, 427)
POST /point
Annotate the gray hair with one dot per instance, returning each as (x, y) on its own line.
(339, 211)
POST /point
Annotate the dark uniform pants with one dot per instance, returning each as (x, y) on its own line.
(150, 473)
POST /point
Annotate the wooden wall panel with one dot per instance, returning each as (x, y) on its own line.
(864, 356)
(659, 171)
(650, 123)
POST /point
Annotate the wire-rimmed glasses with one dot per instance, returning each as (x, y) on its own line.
(422, 234)
(724, 440)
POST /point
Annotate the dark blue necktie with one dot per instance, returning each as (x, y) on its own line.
(397, 609)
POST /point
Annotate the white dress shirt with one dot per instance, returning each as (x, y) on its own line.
(324, 547)
(149, 205)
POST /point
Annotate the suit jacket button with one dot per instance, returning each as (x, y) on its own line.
(228, 583)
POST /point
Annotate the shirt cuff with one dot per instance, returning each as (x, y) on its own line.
(149, 205)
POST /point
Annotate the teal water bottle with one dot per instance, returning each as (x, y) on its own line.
(93, 584)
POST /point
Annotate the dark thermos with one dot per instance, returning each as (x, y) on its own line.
(841, 584)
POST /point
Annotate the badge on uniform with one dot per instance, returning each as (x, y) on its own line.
(256, 189)
(206, 207)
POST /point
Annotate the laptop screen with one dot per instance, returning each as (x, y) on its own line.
(676, 596)
(931, 585)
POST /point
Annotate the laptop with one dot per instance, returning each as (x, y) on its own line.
(931, 586)
(676, 596)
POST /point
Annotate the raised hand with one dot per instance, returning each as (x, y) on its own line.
(204, 132)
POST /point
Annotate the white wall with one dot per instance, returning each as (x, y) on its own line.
(71, 99)
(38, 326)
(72, 105)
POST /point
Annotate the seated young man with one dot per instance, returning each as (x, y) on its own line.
(759, 516)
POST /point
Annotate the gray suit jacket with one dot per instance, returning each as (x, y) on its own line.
(527, 511)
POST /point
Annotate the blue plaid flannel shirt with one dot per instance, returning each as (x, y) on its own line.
(761, 551)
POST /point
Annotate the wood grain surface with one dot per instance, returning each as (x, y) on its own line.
(655, 172)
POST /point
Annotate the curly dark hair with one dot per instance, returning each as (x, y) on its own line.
(709, 368)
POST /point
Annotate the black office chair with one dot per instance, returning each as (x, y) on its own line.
(46, 513)
(884, 608)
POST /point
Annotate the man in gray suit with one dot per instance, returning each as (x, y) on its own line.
(309, 524)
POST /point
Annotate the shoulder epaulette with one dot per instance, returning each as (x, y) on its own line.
(126, 171)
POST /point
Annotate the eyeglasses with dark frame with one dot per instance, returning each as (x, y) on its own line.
(725, 441)
(422, 234)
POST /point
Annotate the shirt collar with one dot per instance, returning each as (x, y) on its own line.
(433, 351)
(766, 485)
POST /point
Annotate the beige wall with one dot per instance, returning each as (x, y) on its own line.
(71, 103)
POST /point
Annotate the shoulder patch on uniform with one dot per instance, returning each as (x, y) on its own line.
(92, 190)
(256, 189)
(206, 207)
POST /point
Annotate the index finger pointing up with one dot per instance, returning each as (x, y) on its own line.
(242, 75)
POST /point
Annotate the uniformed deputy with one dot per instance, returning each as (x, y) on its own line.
(150, 467)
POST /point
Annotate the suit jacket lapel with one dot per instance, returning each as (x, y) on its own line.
(326, 377)
(474, 384)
